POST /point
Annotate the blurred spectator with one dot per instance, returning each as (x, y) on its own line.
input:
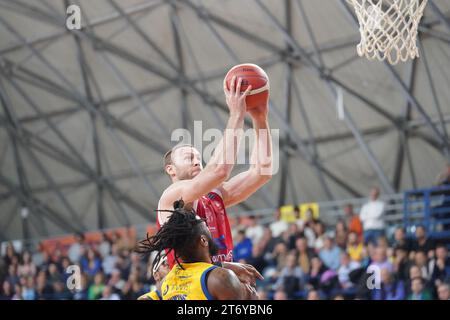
(315, 273)
(96, 289)
(418, 291)
(82, 293)
(401, 263)
(400, 239)
(444, 291)
(90, 262)
(354, 247)
(280, 254)
(391, 289)
(330, 254)
(108, 294)
(422, 242)
(440, 265)
(346, 266)
(313, 295)
(243, 248)
(29, 291)
(380, 260)
(7, 291)
(421, 261)
(254, 231)
(60, 291)
(341, 234)
(75, 251)
(280, 295)
(44, 290)
(26, 267)
(319, 231)
(104, 247)
(353, 222)
(371, 216)
(109, 261)
(278, 226)
(304, 254)
(291, 278)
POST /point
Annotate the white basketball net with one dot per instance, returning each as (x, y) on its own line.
(388, 28)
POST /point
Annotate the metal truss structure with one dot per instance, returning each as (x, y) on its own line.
(86, 115)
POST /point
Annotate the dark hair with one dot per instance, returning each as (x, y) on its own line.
(175, 235)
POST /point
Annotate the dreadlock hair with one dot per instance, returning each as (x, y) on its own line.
(175, 235)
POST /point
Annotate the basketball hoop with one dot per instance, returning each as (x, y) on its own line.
(388, 28)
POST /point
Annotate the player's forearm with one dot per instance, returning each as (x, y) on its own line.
(225, 153)
(262, 158)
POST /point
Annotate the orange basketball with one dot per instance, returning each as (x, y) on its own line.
(255, 76)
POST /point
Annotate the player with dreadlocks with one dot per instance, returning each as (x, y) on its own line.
(194, 277)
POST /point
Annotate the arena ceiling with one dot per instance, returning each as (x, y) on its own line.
(86, 115)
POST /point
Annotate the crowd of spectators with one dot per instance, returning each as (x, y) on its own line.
(109, 270)
(354, 259)
(299, 259)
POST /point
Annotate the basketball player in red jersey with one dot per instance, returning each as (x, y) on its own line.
(210, 190)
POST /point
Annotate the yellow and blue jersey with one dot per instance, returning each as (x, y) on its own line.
(187, 283)
(152, 295)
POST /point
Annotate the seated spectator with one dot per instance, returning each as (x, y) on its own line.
(421, 261)
(243, 248)
(372, 217)
(91, 262)
(440, 265)
(315, 273)
(75, 251)
(60, 291)
(116, 282)
(254, 231)
(330, 254)
(278, 226)
(391, 289)
(354, 247)
(341, 234)
(313, 295)
(304, 254)
(28, 290)
(280, 295)
(319, 232)
(104, 246)
(418, 291)
(96, 289)
(353, 222)
(400, 239)
(401, 263)
(444, 291)
(44, 290)
(346, 266)
(380, 260)
(280, 254)
(291, 277)
(109, 261)
(108, 294)
(7, 291)
(26, 267)
(422, 242)
(53, 274)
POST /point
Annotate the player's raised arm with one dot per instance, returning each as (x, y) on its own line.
(221, 163)
(243, 185)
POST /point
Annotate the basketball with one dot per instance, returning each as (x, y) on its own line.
(255, 76)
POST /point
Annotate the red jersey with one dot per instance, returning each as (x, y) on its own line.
(211, 208)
